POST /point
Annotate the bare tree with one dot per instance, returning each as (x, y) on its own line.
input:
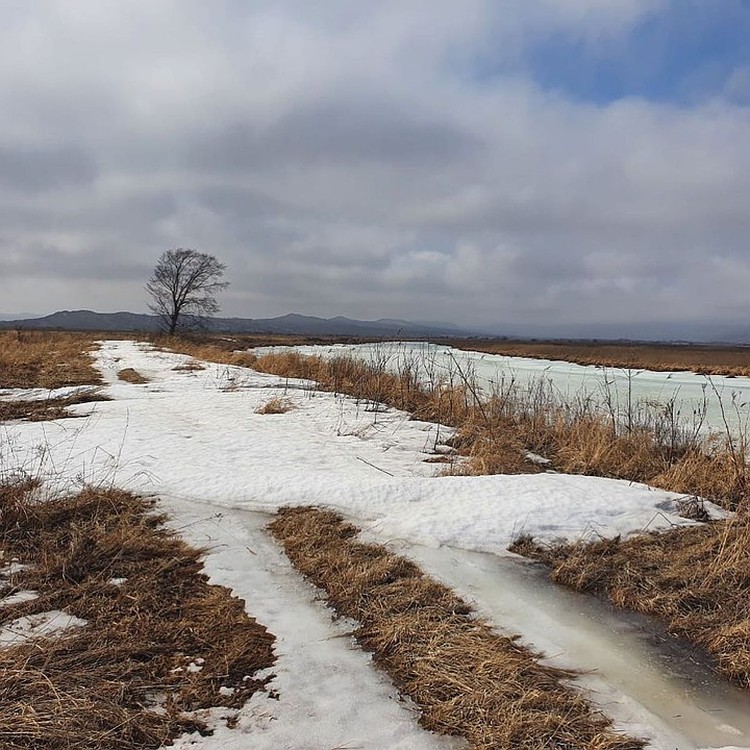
(184, 284)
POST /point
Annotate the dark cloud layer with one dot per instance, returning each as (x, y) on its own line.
(44, 169)
(357, 159)
(337, 133)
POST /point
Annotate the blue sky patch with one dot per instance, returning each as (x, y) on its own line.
(684, 54)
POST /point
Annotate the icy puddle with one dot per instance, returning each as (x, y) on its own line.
(650, 683)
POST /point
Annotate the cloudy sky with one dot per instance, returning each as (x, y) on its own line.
(488, 162)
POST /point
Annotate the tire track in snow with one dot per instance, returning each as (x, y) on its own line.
(329, 694)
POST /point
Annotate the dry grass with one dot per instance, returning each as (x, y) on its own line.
(233, 349)
(647, 444)
(121, 682)
(707, 360)
(46, 360)
(467, 680)
(696, 579)
(189, 367)
(42, 359)
(276, 405)
(47, 409)
(495, 432)
(223, 351)
(129, 375)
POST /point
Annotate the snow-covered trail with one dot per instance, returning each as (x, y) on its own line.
(194, 438)
(329, 694)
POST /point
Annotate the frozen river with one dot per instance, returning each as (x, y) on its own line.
(708, 404)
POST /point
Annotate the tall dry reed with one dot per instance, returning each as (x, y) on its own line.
(641, 442)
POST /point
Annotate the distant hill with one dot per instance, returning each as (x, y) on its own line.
(304, 325)
(86, 320)
(308, 325)
(696, 332)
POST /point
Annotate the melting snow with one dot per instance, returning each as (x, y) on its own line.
(18, 598)
(195, 439)
(44, 624)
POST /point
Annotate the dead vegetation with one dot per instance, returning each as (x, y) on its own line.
(46, 409)
(205, 348)
(703, 359)
(467, 680)
(276, 405)
(50, 360)
(647, 444)
(129, 375)
(45, 359)
(695, 579)
(159, 641)
(189, 367)
(494, 432)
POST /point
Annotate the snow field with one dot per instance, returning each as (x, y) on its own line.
(196, 435)
(194, 439)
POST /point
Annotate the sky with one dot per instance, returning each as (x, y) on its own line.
(540, 163)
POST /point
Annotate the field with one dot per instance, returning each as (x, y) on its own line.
(705, 360)
(236, 550)
(505, 431)
(135, 612)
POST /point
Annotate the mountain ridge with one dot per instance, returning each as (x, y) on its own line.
(309, 325)
(291, 323)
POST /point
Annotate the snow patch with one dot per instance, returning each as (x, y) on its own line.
(19, 598)
(45, 624)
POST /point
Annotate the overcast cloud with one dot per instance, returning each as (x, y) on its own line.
(480, 162)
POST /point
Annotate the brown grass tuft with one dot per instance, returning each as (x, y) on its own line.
(695, 579)
(129, 375)
(122, 680)
(466, 679)
(47, 409)
(276, 405)
(189, 367)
